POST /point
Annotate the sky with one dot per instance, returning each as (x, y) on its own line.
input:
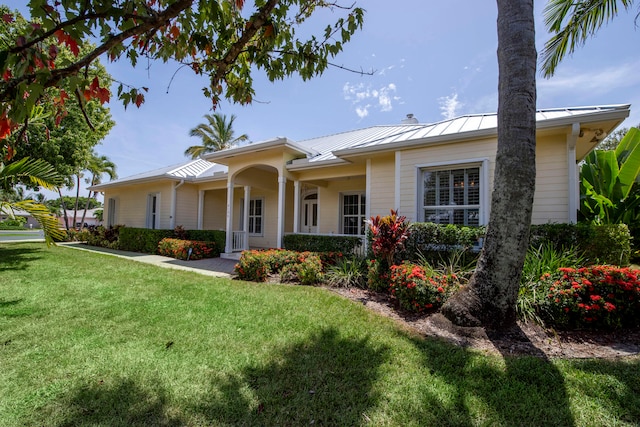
(435, 60)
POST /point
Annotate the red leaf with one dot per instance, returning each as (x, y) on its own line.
(5, 127)
(8, 18)
(239, 4)
(63, 96)
(6, 75)
(139, 100)
(175, 31)
(103, 95)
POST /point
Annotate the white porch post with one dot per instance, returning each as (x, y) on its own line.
(397, 178)
(282, 187)
(200, 208)
(245, 219)
(296, 206)
(574, 190)
(229, 238)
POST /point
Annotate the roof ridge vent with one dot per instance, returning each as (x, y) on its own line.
(410, 120)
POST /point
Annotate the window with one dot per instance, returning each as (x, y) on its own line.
(111, 213)
(256, 215)
(353, 214)
(153, 208)
(451, 196)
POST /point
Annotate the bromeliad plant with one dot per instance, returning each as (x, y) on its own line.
(593, 297)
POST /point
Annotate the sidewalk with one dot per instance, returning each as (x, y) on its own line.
(217, 267)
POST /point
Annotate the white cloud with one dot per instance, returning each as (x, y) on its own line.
(364, 97)
(594, 81)
(449, 106)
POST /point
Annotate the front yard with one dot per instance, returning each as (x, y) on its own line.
(88, 339)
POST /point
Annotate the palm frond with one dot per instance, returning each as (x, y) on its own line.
(31, 171)
(45, 218)
(572, 23)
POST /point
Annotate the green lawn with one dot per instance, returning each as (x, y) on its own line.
(89, 339)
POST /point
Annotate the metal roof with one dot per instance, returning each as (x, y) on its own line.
(379, 136)
(194, 169)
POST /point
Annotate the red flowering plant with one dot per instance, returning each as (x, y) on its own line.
(185, 249)
(594, 297)
(418, 290)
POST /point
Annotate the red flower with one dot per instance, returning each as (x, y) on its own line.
(595, 297)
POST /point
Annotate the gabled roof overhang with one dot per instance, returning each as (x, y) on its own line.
(285, 145)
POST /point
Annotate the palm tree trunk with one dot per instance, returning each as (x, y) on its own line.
(64, 209)
(490, 298)
(86, 206)
(75, 207)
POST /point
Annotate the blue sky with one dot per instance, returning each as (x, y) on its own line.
(435, 60)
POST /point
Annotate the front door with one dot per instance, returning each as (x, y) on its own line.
(309, 214)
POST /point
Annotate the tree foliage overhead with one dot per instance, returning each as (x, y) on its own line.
(226, 40)
(572, 22)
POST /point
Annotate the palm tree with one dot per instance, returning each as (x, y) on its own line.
(98, 165)
(33, 172)
(216, 135)
(585, 17)
(490, 298)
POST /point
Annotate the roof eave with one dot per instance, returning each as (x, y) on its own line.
(304, 164)
(223, 155)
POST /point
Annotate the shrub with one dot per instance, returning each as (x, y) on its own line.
(378, 276)
(15, 223)
(347, 272)
(539, 261)
(104, 237)
(417, 291)
(143, 240)
(594, 297)
(217, 236)
(257, 265)
(317, 243)
(598, 244)
(186, 249)
(435, 242)
(307, 270)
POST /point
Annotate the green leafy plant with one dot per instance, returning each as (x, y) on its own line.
(258, 265)
(346, 273)
(306, 271)
(608, 178)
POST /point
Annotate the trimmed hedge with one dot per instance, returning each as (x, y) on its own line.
(146, 240)
(179, 249)
(143, 240)
(599, 244)
(316, 243)
(217, 236)
(436, 241)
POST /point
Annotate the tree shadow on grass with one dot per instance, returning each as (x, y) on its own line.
(508, 390)
(16, 258)
(118, 402)
(323, 380)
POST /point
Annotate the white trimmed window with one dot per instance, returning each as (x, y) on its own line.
(153, 210)
(111, 212)
(353, 218)
(256, 216)
(452, 195)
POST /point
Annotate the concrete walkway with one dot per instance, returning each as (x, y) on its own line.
(217, 267)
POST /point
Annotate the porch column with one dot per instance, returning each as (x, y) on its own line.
(200, 208)
(397, 179)
(574, 189)
(229, 238)
(296, 206)
(282, 187)
(245, 219)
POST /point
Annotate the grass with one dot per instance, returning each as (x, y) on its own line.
(89, 339)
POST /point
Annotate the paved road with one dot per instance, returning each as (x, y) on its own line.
(21, 235)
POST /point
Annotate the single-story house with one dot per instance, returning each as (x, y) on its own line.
(7, 213)
(440, 172)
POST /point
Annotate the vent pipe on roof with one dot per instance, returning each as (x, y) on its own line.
(410, 120)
